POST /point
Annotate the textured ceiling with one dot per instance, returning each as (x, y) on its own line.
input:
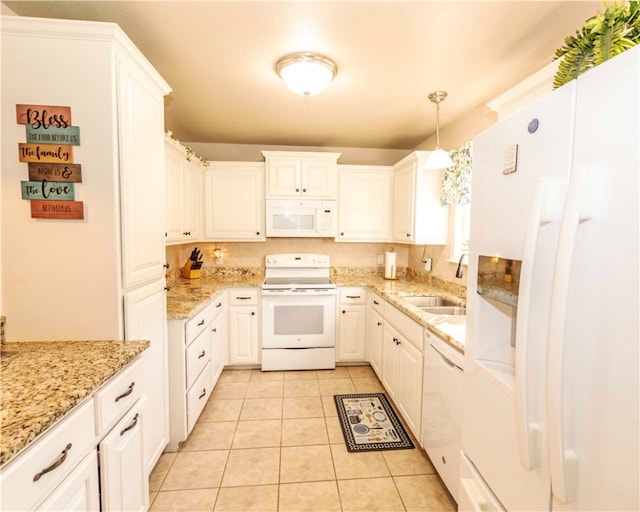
(219, 58)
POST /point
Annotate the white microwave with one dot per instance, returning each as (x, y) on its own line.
(301, 218)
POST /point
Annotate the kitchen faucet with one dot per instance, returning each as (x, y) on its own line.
(459, 269)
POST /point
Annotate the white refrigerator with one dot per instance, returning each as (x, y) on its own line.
(551, 389)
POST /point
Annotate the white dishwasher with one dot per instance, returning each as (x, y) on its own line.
(442, 408)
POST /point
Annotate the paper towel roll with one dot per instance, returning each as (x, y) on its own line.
(390, 265)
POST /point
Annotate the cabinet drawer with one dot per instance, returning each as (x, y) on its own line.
(117, 396)
(199, 321)
(243, 297)
(352, 295)
(219, 304)
(197, 397)
(58, 451)
(197, 355)
(376, 302)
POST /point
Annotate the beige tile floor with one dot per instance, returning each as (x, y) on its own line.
(271, 441)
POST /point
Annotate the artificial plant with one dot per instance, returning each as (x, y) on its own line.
(602, 37)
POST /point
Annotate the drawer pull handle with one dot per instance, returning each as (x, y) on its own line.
(214, 330)
(201, 355)
(376, 302)
(133, 423)
(219, 305)
(201, 322)
(243, 298)
(127, 392)
(204, 392)
(57, 463)
(353, 296)
(379, 324)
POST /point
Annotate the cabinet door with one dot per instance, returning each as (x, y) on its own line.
(283, 177)
(364, 203)
(403, 203)
(390, 361)
(375, 333)
(318, 178)
(234, 202)
(123, 473)
(351, 333)
(79, 491)
(193, 200)
(243, 335)
(218, 346)
(410, 370)
(141, 156)
(146, 319)
(174, 172)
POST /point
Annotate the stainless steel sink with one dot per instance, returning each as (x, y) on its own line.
(430, 301)
(448, 310)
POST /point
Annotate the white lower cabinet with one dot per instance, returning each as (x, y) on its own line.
(244, 331)
(123, 476)
(79, 492)
(193, 366)
(352, 323)
(375, 331)
(402, 365)
(91, 460)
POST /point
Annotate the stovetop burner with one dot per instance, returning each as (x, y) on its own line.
(297, 271)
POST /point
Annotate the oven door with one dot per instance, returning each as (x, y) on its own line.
(298, 318)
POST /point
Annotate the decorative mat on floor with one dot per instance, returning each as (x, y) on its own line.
(369, 423)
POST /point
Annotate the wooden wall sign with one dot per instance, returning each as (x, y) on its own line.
(55, 172)
(45, 153)
(43, 115)
(51, 190)
(53, 135)
(67, 210)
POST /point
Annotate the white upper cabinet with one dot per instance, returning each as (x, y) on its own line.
(299, 174)
(183, 199)
(364, 203)
(234, 201)
(417, 215)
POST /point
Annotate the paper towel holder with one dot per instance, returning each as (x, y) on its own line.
(390, 267)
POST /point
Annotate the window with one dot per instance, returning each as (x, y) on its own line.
(462, 221)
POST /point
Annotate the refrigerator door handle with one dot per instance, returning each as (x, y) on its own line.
(584, 188)
(543, 209)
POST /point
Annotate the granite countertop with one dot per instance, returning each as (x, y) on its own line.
(42, 381)
(187, 296)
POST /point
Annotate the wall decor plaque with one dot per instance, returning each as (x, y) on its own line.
(53, 135)
(43, 115)
(55, 172)
(66, 210)
(45, 153)
(51, 190)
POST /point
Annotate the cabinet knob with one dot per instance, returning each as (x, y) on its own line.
(166, 265)
(253, 313)
(186, 233)
(343, 311)
(167, 288)
(341, 233)
(408, 235)
(297, 190)
(258, 233)
(379, 324)
(214, 330)
(304, 189)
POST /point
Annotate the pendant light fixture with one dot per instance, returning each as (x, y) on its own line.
(439, 158)
(306, 73)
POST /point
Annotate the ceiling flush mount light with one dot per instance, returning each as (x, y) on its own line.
(439, 158)
(306, 73)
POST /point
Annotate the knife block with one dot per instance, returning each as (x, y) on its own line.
(189, 272)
